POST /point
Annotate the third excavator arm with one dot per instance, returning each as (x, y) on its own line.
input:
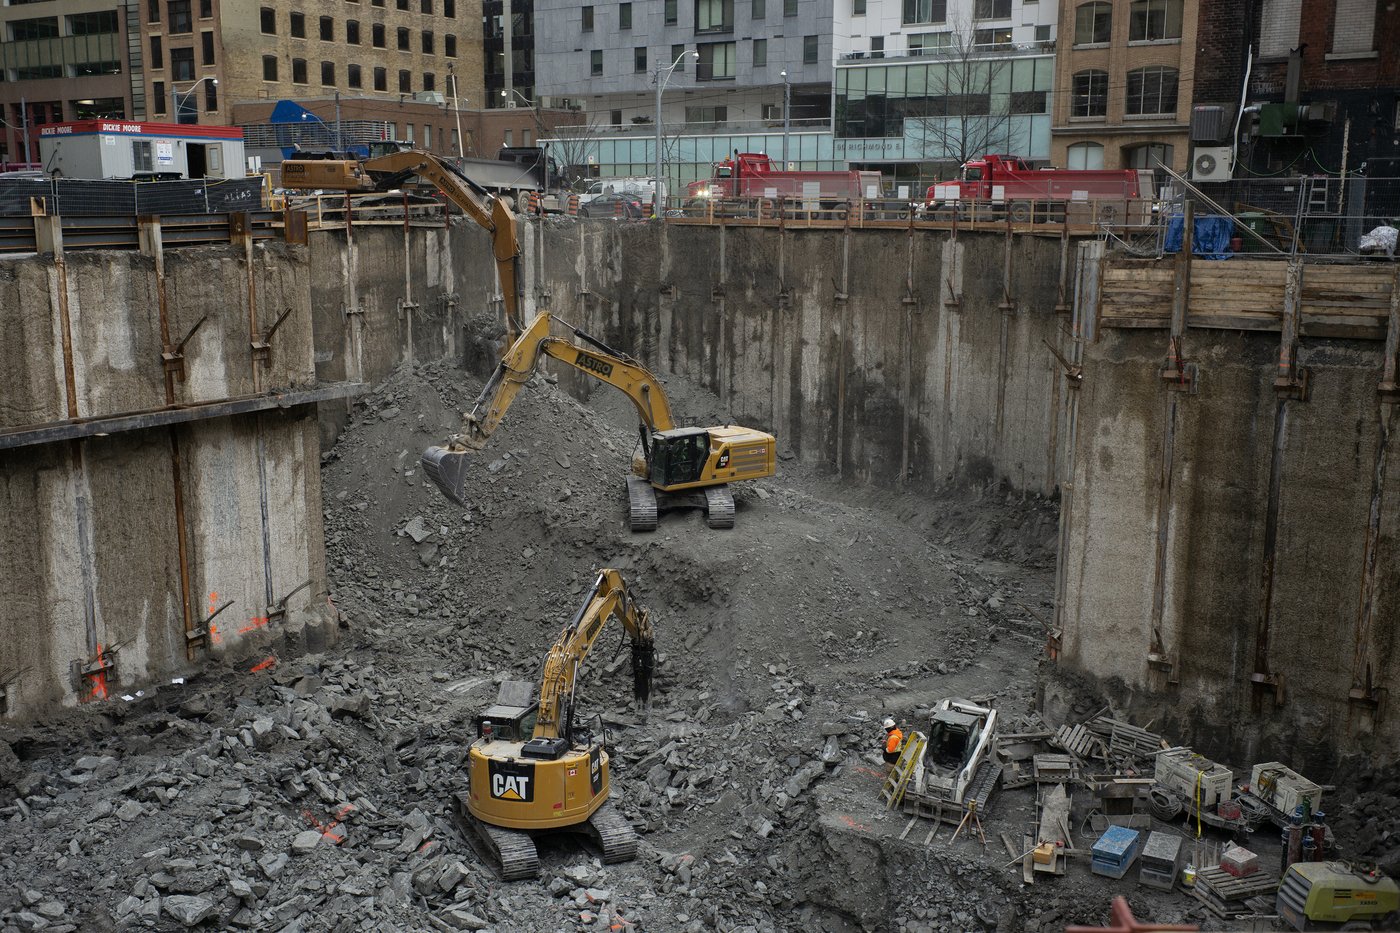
(677, 467)
(386, 172)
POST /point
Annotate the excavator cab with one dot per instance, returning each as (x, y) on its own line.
(678, 456)
(512, 716)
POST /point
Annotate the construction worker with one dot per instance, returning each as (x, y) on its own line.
(894, 741)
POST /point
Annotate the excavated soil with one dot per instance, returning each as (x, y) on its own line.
(312, 794)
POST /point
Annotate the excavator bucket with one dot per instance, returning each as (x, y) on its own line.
(448, 471)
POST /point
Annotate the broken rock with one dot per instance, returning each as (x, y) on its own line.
(187, 909)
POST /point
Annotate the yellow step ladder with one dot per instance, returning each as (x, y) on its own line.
(898, 779)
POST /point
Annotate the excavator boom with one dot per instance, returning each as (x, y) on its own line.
(447, 466)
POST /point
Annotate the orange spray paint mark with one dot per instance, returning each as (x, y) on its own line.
(99, 680)
(257, 623)
(872, 772)
(852, 824)
(264, 664)
(214, 634)
(327, 830)
(213, 601)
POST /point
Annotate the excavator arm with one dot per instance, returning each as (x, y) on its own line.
(447, 466)
(608, 599)
(385, 172)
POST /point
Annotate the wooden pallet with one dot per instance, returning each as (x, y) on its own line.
(1055, 769)
(1080, 742)
(1224, 895)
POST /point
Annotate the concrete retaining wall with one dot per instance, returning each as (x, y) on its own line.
(91, 575)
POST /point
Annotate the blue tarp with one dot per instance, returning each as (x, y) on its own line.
(1210, 239)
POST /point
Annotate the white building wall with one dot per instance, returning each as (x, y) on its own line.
(884, 19)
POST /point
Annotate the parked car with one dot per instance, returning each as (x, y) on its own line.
(625, 206)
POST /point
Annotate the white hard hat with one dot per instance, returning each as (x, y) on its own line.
(889, 724)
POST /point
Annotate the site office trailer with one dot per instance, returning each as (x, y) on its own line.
(133, 149)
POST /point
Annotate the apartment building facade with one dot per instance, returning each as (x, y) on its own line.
(1124, 82)
(64, 60)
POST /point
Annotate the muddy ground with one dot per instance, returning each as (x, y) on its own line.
(312, 794)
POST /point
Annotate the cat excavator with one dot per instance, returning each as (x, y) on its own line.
(534, 768)
(675, 466)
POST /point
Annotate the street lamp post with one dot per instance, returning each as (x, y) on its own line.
(787, 107)
(176, 96)
(661, 82)
(456, 111)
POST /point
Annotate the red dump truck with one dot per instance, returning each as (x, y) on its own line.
(749, 176)
(997, 185)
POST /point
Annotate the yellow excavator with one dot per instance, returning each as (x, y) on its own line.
(333, 171)
(534, 767)
(676, 466)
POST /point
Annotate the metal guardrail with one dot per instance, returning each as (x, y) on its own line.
(18, 234)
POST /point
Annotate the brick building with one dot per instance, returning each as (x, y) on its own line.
(1323, 86)
(1124, 78)
(273, 49)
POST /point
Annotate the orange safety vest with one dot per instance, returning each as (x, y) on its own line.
(894, 740)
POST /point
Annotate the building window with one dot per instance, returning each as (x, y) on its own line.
(595, 62)
(995, 38)
(588, 19)
(425, 7)
(141, 153)
(929, 43)
(92, 24)
(449, 46)
(1093, 23)
(1028, 102)
(809, 50)
(428, 136)
(1154, 19)
(206, 9)
(1152, 90)
(269, 67)
(1085, 156)
(405, 83)
(706, 114)
(429, 81)
(377, 35)
(877, 46)
(182, 64)
(714, 15)
(1089, 97)
(157, 58)
(298, 71)
(716, 62)
(211, 96)
(670, 11)
(624, 16)
(639, 60)
(401, 4)
(177, 14)
(508, 139)
(352, 76)
(408, 132)
(376, 2)
(857, 7)
(268, 18)
(298, 25)
(327, 29)
(402, 36)
(760, 53)
(1354, 27)
(427, 38)
(153, 11)
(352, 32)
(381, 79)
(992, 9)
(158, 94)
(1148, 156)
(925, 11)
(789, 7)
(449, 8)
(760, 9)
(678, 56)
(524, 137)
(206, 48)
(328, 74)
(615, 118)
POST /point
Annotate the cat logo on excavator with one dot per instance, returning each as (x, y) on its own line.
(512, 781)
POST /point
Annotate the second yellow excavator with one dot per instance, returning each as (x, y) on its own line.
(533, 768)
(676, 466)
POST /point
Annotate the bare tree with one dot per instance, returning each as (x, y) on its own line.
(967, 108)
(571, 145)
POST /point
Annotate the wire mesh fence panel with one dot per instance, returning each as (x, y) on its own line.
(117, 198)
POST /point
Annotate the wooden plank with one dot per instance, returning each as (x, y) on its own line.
(1028, 860)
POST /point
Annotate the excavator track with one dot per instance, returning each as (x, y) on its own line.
(719, 507)
(511, 851)
(613, 834)
(983, 785)
(641, 504)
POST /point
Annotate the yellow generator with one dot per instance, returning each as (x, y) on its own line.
(1337, 896)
